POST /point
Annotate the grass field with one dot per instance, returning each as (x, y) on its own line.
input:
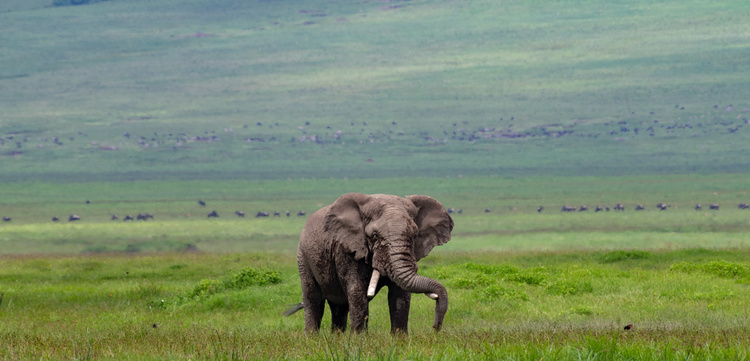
(136, 89)
(123, 107)
(687, 304)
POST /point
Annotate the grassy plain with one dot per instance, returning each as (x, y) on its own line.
(168, 89)
(524, 285)
(142, 106)
(687, 304)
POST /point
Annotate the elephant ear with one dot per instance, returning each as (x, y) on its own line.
(344, 222)
(434, 223)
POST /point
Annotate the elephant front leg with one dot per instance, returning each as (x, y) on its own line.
(359, 310)
(399, 302)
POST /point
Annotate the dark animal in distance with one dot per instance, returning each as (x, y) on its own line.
(213, 214)
(128, 218)
(55, 219)
(7, 219)
(74, 217)
(714, 206)
(743, 206)
(540, 209)
(144, 216)
(239, 213)
(639, 207)
(202, 203)
(619, 207)
(262, 214)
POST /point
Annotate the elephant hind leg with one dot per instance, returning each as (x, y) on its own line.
(339, 315)
(312, 300)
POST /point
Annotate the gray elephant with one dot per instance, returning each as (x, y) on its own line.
(352, 248)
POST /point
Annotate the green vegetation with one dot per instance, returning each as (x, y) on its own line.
(562, 305)
(189, 89)
(148, 106)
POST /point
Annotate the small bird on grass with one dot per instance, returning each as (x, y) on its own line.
(628, 327)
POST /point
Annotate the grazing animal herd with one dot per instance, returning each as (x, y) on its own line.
(263, 214)
(638, 207)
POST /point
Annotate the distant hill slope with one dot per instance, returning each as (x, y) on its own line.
(133, 89)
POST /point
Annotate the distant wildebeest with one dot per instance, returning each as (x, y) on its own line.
(202, 203)
(55, 219)
(714, 206)
(698, 207)
(540, 209)
(301, 213)
(213, 214)
(598, 209)
(639, 207)
(74, 217)
(567, 209)
(743, 206)
(115, 217)
(619, 207)
(7, 219)
(239, 213)
(128, 218)
(583, 208)
(288, 213)
(276, 214)
(450, 210)
(262, 214)
(460, 210)
(662, 206)
(144, 216)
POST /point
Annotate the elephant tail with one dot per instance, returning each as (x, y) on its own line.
(294, 308)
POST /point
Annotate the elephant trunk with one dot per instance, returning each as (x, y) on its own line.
(403, 273)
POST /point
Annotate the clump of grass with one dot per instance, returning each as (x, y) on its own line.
(248, 277)
(718, 268)
(619, 256)
(569, 288)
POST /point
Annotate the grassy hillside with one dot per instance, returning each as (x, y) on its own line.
(136, 89)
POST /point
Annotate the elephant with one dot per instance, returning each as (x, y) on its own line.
(352, 248)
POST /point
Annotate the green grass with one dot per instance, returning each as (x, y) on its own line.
(571, 84)
(529, 305)
(513, 223)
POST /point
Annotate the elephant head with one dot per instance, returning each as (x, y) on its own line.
(390, 234)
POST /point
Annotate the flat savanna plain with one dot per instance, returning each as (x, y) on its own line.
(143, 106)
(523, 284)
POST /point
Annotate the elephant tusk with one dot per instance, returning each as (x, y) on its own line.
(373, 283)
(434, 296)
